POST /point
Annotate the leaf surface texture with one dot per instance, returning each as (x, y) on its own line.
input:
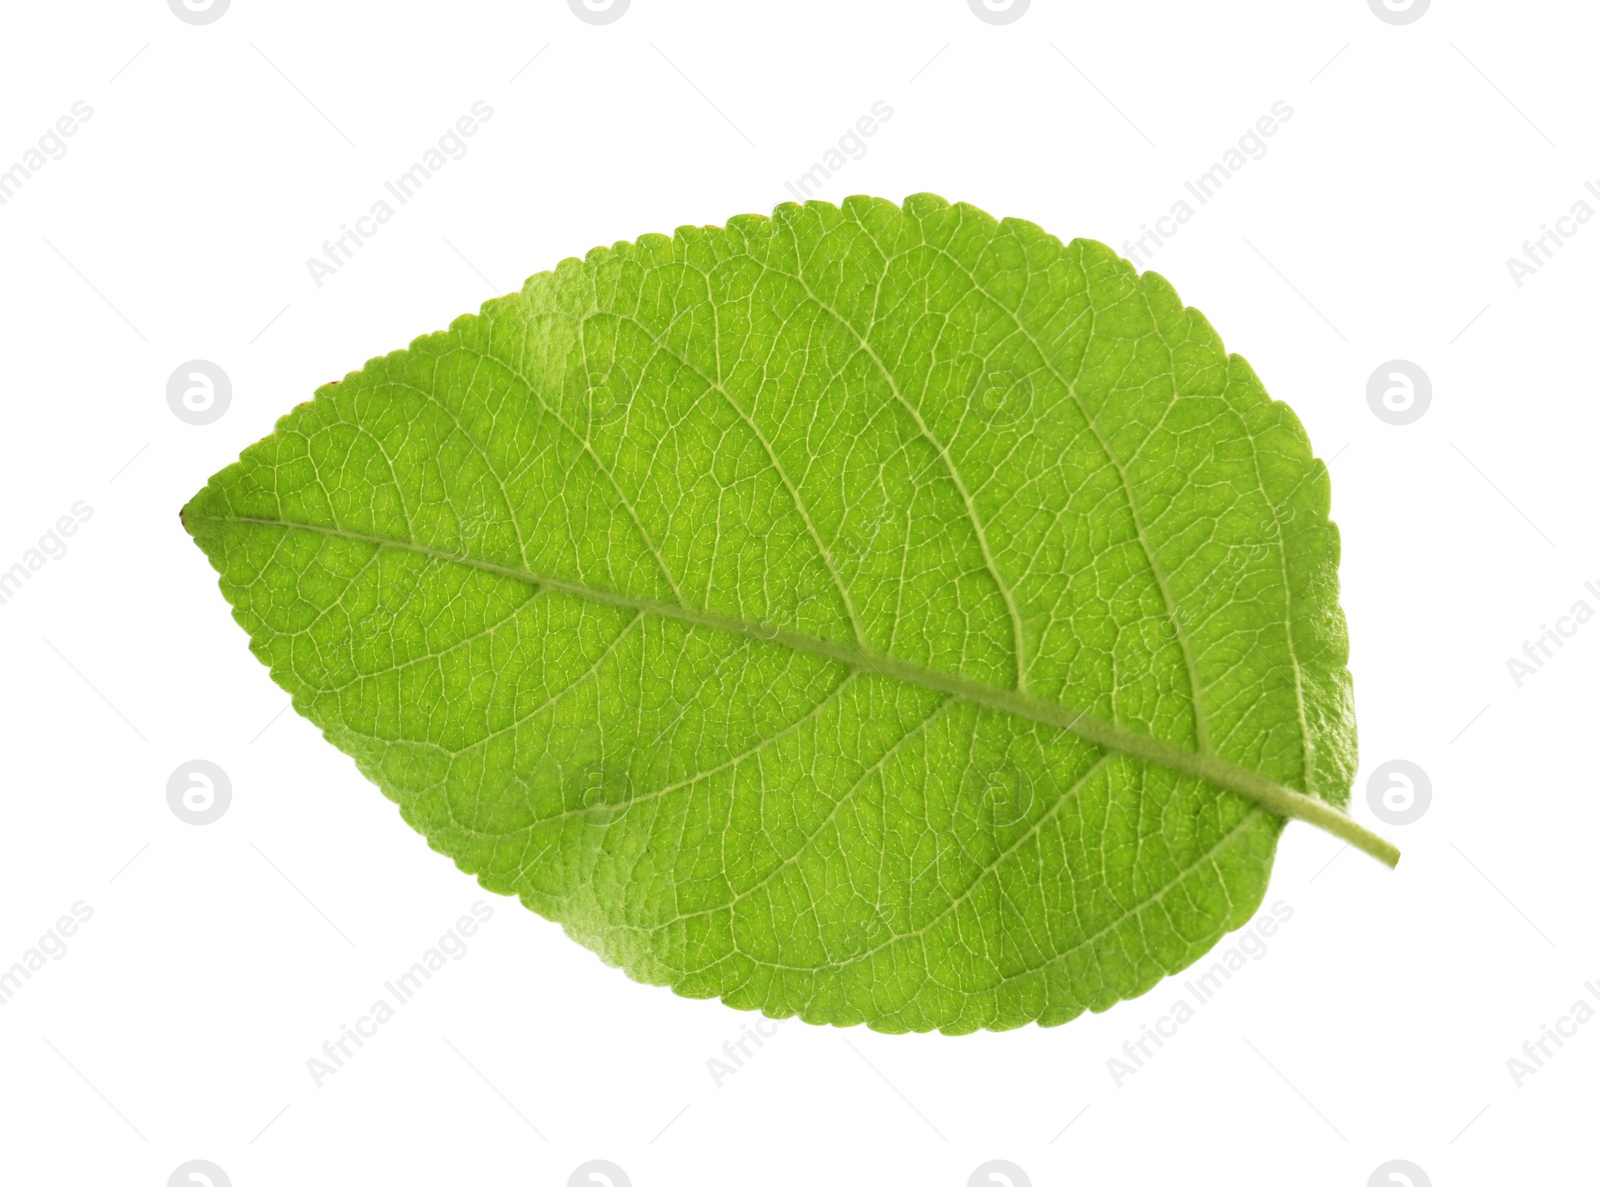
(723, 596)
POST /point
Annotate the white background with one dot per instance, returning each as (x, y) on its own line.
(177, 226)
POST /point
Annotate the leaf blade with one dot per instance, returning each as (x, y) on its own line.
(712, 425)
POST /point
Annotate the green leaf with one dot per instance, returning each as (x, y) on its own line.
(872, 614)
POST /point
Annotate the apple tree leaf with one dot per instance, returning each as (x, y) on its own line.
(870, 613)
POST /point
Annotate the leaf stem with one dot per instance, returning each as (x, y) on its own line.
(1275, 797)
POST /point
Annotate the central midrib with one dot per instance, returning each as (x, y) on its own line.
(1242, 781)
